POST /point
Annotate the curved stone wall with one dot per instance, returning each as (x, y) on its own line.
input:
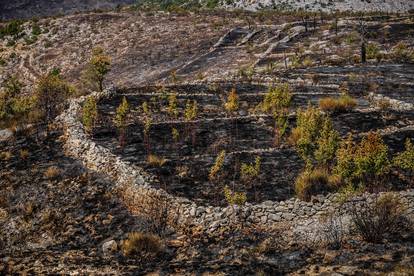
(134, 185)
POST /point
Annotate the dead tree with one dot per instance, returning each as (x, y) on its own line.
(362, 29)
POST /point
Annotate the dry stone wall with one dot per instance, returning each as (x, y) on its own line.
(134, 185)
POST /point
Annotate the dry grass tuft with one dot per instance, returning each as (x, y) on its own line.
(313, 182)
(156, 161)
(52, 172)
(138, 243)
(341, 104)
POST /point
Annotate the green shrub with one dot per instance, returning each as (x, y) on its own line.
(306, 133)
(191, 109)
(345, 166)
(371, 156)
(14, 107)
(372, 51)
(89, 114)
(402, 53)
(250, 172)
(327, 144)
(13, 28)
(234, 198)
(365, 161)
(277, 102)
(405, 159)
(36, 30)
(172, 106)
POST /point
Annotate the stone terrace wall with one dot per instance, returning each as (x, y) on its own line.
(134, 185)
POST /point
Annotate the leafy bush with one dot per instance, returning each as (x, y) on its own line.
(249, 172)
(365, 161)
(402, 53)
(141, 243)
(14, 28)
(405, 159)
(234, 198)
(345, 166)
(373, 51)
(371, 156)
(89, 113)
(341, 104)
(386, 216)
(314, 181)
(307, 132)
(327, 144)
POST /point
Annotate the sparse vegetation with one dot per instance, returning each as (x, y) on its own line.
(51, 92)
(342, 104)
(217, 167)
(141, 243)
(405, 159)
(52, 172)
(313, 182)
(386, 216)
(234, 198)
(155, 161)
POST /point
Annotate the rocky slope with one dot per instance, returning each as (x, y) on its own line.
(28, 8)
(328, 5)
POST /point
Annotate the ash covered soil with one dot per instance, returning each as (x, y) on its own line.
(57, 216)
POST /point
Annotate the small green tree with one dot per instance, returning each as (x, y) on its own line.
(175, 135)
(345, 166)
(249, 173)
(232, 104)
(172, 106)
(327, 144)
(214, 174)
(89, 114)
(190, 114)
(98, 66)
(365, 162)
(277, 102)
(147, 122)
(371, 157)
(405, 159)
(307, 132)
(51, 92)
(121, 117)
